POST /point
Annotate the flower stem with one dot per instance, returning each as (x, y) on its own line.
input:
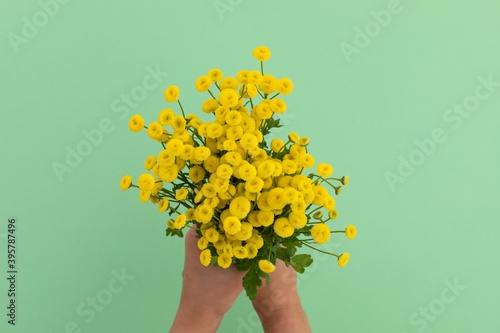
(332, 254)
(184, 115)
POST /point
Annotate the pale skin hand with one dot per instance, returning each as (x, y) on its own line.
(278, 303)
(207, 292)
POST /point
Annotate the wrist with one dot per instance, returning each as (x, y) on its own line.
(199, 319)
(195, 315)
(285, 315)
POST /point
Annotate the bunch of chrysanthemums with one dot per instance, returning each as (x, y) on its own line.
(248, 199)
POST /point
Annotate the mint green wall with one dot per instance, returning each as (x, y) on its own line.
(426, 217)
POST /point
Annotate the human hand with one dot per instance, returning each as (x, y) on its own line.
(278, 303)
(207, 292)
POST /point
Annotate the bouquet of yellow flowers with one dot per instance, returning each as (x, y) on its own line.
(247, 199)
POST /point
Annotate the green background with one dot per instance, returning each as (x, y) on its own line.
(361, 112)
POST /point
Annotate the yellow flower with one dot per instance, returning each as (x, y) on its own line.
(251, 89)
(228, 83)
(211, 163)
(166, 159)
(251, 250)
(233, 158)
(254, 185)
(168, 173)
(210, 105)
(171, 94)
(174, 147)
(290, 195)
(318, 215)
(201, 153)
(163, 205)
(275, 198)
(329, 203)
(202, 243)
(263, 111)
(277, 144)
(221, 112)
(261, 53)
(333, 214)
(155, 130)
(306, 160)
(125, 183)
(224, 261)
(196, 174)
(170, 224)
(255, 78)
(293, 137)
(268, 84)
(242, 76)
(234, 132)
(278, 106)
(228, 97)
(240, 207)
(214, 130)
(351, 232)
(205, 257)
(203, 213)
(180, 221)
(166, 117)
(224, 171)
(227, 250)
(215, 75)
(240, 252)
(344, 180)
(144, 195)
(284, 86)
(181, 194)
(208, 190)
(190, 214)
(187, 152)
(265, 218)
(298, 220)
(179, 124)
(146, 182)
(266, 266)
(324, 170)
(212, 235)
(150, 162)
(247, 172)
(289, 167)
(230, 145)
(343, 259)
(245, 231)
(233, 118)
(203, 83)
(136, 123)
(283, 228)
(249, 141)
(304, 141)
(231, 225)
(320, 233)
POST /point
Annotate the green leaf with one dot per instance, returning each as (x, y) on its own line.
(251, 281)
(244, 266)
(300, 262)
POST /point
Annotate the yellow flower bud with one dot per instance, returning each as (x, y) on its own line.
(171, 94)
(343, 259)
(125, 183)
(351, 231)
(261, 53)
(136, 123)
(266, 266)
